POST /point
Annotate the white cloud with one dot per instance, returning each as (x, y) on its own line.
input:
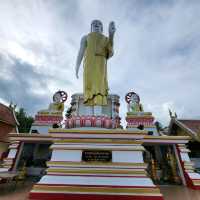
(157, 47)
(161, 111)
(3, 101)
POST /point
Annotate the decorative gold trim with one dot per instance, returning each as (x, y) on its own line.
(88, 140)
(113, 131)
(94, 175)
(188, 163)
(189, 167)
(18, 136)
(139, 117)
(167, 137)
(96, 171)
(30, 138)
(68, 163)
(189, 171)
(98, 148)
(185, 151)
(6, 165)
(141, 114)
(182, 145)
(8, 159)
(103, 190)
(196, 182)
(13, 148)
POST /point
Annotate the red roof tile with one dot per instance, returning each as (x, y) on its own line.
(194, 125)
(6, 115)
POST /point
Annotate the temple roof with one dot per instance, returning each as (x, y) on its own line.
(190, 126)
(7, 115)
(193, 124)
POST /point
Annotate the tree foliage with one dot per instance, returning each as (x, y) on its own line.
(24, 120)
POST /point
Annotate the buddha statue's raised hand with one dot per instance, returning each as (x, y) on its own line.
(111, 29)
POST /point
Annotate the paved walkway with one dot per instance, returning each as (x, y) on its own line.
(13, 193)
(170, 193)
(179, 193)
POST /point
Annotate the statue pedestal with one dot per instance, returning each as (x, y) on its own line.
(96, 164)
(45, 119)
(141, 121)
(92, 159)
(82, 116)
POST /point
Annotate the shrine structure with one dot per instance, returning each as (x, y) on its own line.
(93, 160)
(8, 124)
(52, 116)
(92, 155)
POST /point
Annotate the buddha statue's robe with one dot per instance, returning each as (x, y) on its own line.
(98, 49)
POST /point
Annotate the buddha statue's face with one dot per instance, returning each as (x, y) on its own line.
(96, 26)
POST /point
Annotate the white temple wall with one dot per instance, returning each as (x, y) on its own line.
(12, 153)
(116, 181)
(127, 156)
(185, 157)
(66, 155)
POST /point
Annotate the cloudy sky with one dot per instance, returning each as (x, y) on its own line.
(157, 51)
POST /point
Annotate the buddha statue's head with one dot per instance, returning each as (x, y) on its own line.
(96, 26)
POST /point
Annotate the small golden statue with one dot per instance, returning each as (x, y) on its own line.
(57, 107)
(133, 101)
